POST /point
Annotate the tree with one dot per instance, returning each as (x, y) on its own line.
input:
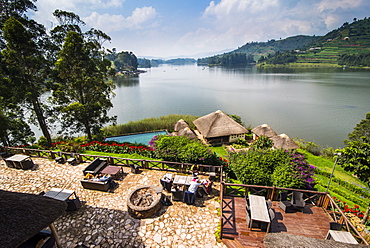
(26, 67)
(355, 158)
(126, 61)
(16, 9)
(356, 155)
(83, 91)
(361, 129)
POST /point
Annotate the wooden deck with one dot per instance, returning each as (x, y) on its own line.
(313, 222)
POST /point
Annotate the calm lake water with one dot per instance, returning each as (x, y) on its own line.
(316, 105)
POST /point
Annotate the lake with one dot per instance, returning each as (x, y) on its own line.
(319, 105)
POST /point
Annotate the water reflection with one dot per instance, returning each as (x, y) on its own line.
(131, 81)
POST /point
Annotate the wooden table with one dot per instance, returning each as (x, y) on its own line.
(19, 161)
(112, 170)
(182, 180)
(341, 236)
(259, 210)
(64, 195)
(59, 194)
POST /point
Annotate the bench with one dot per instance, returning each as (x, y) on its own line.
(96, 185)
(95, 166)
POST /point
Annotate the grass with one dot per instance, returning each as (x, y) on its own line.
(220, 151)
(148, 124)
(327, 165)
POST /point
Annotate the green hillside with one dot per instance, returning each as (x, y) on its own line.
(254, 50)
(258, 49)
(348, 45)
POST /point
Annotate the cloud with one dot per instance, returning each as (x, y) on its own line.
(109, 23)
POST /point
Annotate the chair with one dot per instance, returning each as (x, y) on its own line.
(248, 220)
(297, 201)
(166, 185)
(177, 195)
(73, 204)
(335, 226)
(134, 168)
(284, 204)
(212, 173)
(269, 204)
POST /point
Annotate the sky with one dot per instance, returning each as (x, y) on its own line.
(199, 28)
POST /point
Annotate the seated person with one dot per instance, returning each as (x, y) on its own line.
(206, 185)
(194, 170)
(166, 183)
(101, 179)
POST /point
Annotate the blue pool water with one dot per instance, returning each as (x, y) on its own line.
(142, 138)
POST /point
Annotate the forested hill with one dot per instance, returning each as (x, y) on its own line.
(254, 50)
(349, 45)
(272, 46)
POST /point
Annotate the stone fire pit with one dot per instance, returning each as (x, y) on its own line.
(143, 202)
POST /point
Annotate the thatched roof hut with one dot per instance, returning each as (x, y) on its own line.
(180, 125)
(265, 130)
(24, 215)
(289, 241)
(283, 141)
(187, 132)
(218, 124)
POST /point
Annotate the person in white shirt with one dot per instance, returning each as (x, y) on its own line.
(194, 184)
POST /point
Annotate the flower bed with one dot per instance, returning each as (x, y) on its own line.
(113, 147)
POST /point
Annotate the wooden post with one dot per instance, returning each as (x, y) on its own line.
(55, 234)
(366, 215)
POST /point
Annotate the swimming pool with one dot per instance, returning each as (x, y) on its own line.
(143, 138)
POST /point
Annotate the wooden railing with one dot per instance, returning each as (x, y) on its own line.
(320, 199)
(338, 216)
(143, 163)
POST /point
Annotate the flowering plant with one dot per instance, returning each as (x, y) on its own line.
(113, 147)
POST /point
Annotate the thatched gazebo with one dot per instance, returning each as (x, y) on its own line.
(264, 130)
(283, 141)
(24, 215)
(218, 127)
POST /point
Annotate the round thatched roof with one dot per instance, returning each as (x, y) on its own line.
(265, 130)
(180, 125)
(284, 142)
(289, 241)
(187, 132)
(24, 215)
(218, 124)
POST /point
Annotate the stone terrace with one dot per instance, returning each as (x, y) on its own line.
(103, 220)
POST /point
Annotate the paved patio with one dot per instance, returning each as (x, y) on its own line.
(103, 220)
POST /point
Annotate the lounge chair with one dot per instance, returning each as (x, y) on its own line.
(284, 204)
(297, 201)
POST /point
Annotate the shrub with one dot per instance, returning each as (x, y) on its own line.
(263, 142)
(272, 167)
(183, 149)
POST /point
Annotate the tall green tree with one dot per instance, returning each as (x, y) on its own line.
(360, 130)
(83, 92)
(355, 158)
(26, 67)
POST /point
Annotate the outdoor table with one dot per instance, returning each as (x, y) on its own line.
(182, 180)
(64, 195)
(112, 170)
(19, 161)
(341, 236)
(259, 210)
(59, 194)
